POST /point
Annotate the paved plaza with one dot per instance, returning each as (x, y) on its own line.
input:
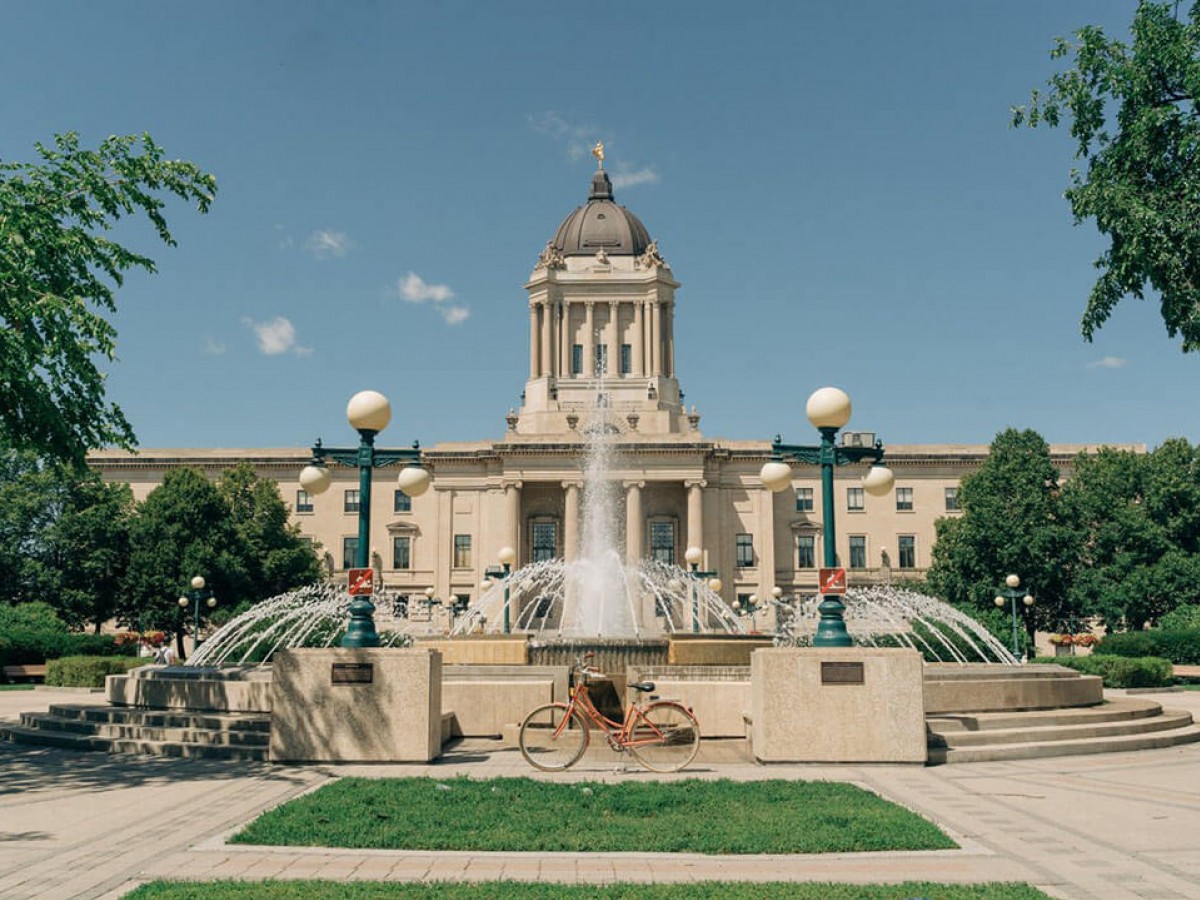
(96, 825)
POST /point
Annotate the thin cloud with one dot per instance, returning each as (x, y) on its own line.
(578, 137)
(327, 244)
(625, 178)
(415, 289)
(1109, 362)
(276, 336)
(213, 347)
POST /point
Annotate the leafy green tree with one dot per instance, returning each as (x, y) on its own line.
(32, 494)
(1011, 524)
(57, 274)
(1132, 109)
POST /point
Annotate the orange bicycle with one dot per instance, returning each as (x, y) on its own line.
(662, 735)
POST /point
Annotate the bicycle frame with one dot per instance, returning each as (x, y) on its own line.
(619, 735)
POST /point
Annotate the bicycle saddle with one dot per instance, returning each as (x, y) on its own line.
(645, 686)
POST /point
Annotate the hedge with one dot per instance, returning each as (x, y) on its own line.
(1180, 647)
(24, 646)
(88, 671)
(1118, 671)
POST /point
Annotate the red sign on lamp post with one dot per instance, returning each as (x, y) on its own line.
(833, 581)
(362, 582)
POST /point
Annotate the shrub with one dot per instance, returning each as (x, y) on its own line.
(1180, 647)
(1182, 618)
(1119, 671)
(36, 616)
(88, 671)
(23, 646)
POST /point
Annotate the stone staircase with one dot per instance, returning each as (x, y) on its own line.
(156, 732)
(1121, 723)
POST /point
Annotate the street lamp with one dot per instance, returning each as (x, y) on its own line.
(829, 410)
(693, 556)
(197, 595)
(368, 413)
(507, 556)
(1013, 592)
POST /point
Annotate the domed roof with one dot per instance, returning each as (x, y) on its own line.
(601, 225)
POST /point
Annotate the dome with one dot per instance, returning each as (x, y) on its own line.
(601, 225)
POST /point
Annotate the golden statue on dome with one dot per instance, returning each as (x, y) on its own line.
(598, 152)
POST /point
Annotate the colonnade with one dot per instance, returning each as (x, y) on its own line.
(554, 329)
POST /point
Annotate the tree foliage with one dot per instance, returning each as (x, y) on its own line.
(58, 271)
(1132, 109)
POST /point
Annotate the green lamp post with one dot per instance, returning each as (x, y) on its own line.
(829, 410)
(692, 556)
(368, 413)
(197, 595)
(1012, 592)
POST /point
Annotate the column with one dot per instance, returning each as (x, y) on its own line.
(512, 517)
(564, 339)
(634, 523)
(765, 551)
(589, 341)
(571, 521)
(639, 342)
(614, 339)
(546, 338)
(656, 339)
(695, 513)
(535, 351)
(669, 331)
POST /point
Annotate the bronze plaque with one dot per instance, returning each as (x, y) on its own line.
(352, 673)
(841, 673)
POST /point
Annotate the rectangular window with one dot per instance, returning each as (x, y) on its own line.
(545, 541)
(626, 359)
(807, 555)
(745, 550)
(952, 500)
(904, 499)
(908, 551)
(350, 502)
(602, 359)
(350, 553)
(401, 553)
(402, 502)
(577, 359)
(854, 499)
(304, 502)
(662, 542)
(858, 551)
(804, 499)
(462, 551)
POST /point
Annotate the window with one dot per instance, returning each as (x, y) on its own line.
(602, 359)
(545, 541)
(858, 551)
(804, 499)
(350, 503)
(904, 499)
(807, 552)
(662, 542)
(854, 499)
(304, 503)
(952, 500)
(401, 553)
(908, 551)
(626, 359)
(745, 550)
(349, 553)
(462, 551)
(402, 502)
(577, 359)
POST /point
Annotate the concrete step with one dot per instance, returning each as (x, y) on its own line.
(1080, 730)
(1115, 710)
(159, 718)
(76, 741)
(1076, 747)
(242, 738)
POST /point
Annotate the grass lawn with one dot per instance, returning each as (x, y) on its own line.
(703, 890)
(16, 687)
(689, 816)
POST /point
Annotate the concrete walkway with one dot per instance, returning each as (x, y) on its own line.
(1106, 826)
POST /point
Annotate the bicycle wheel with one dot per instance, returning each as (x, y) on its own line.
(665, 737)
(553, 737)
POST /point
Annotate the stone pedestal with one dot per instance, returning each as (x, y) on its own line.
(834, 705)
(356, 705)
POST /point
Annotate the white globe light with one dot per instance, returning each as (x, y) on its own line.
(1028, 601)
(212, 602)
(413, 480)
(486, 584)
(999, 601)
(507, 556)
(714, 585)
(878, 481)
(776, 476)
(1012, 581)
(183, 601)
(777, 592)
(315, 479)
(369, 411)
(753, 599)
(198, 582)
(828, 407)
(693, 555)
(429, 592)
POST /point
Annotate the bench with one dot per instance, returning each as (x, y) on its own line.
(28, 672)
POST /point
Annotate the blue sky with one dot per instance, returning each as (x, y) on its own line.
(836, 186)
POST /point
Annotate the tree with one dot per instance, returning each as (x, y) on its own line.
(1011, 524)
(1141, 183)
(57, 272)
